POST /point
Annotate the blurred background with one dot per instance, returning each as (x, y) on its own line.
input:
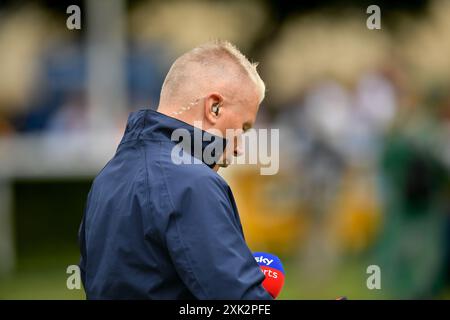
(364, 119)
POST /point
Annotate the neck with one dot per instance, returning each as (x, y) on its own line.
(189, 118)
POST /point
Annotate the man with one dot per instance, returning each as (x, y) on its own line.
(156, 227)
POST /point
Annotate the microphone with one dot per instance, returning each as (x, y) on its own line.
(273, 270)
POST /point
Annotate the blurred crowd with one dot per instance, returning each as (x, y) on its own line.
(364, 119)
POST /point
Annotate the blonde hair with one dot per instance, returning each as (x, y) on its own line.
(213, 53)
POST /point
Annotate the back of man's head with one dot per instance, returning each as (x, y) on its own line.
(216, 88)
(216, 66)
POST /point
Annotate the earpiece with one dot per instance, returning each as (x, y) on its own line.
(215, 108)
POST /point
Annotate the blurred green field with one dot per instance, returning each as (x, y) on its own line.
(42, 275)
(349, 281)
(47, 246)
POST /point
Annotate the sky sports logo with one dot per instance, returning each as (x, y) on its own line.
(273, 271)
(270, 265)
(263, 260)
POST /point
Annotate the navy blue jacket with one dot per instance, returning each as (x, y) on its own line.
(154, 229)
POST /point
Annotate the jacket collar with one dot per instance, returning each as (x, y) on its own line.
(153, 125)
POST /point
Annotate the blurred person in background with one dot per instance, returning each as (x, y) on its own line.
(414, 182)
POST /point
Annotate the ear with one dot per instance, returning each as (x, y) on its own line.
(213, 105)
